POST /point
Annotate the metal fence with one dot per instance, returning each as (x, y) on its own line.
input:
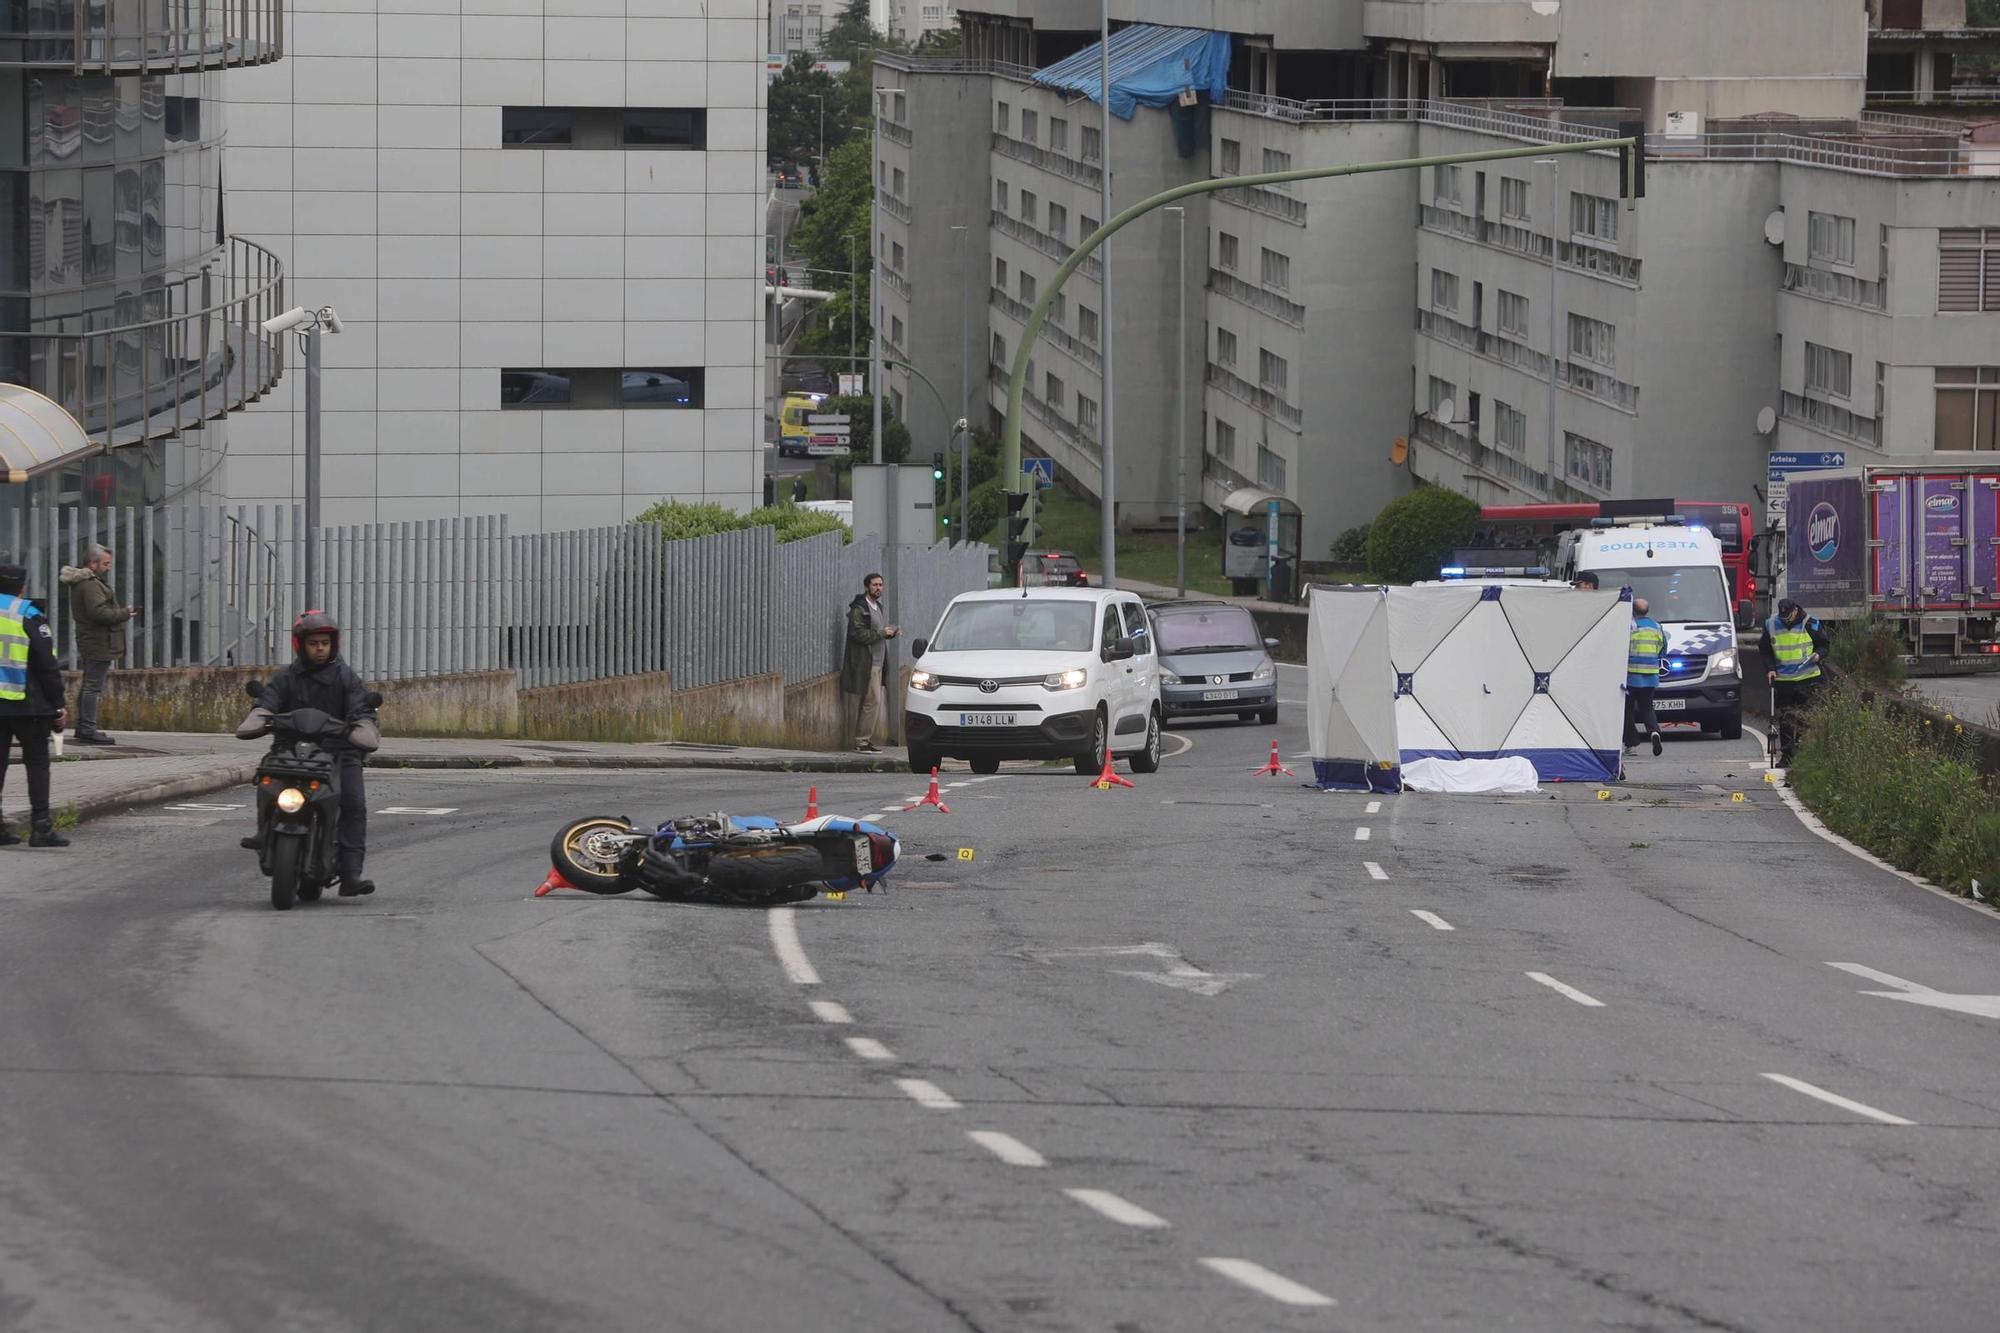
(221, 586)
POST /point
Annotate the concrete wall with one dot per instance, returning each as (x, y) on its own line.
(815, 716)
(171, 698)
(623, 708)
(482, 703)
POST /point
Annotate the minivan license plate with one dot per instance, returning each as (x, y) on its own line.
(1671, 705)
(1211, 696)
(986, 719)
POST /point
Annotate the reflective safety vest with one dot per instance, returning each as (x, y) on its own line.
(14, 613)
(1793, 647)
(1642, 658)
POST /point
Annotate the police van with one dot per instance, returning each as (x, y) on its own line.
(1677, 567)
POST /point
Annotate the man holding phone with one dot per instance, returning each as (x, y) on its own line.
(100, 635)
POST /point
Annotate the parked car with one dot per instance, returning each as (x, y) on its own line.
(1036, 673)
(1213, 662)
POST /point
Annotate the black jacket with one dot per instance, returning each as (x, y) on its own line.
(45, 683)
(335, 689)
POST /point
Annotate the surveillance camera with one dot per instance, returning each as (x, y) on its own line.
(331, 319)
(297, 317)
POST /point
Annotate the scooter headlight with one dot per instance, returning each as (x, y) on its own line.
(291, 800)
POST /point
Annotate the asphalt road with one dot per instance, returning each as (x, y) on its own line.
(1974, 697)
(1191, 1056)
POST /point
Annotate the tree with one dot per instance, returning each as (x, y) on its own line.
(943, 42)
(839, 209)
(797, 97)
(1414, 534)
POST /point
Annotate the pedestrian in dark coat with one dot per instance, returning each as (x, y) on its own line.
(864, 667)
(100, 635)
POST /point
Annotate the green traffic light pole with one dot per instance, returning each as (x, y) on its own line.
(1631, 147)
(952, 429)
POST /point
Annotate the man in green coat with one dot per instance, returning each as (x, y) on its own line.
(864, 666)
(100, 636)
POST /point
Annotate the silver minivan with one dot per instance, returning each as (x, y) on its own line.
(1213, 662)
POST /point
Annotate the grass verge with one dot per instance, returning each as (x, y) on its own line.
(1905, 786)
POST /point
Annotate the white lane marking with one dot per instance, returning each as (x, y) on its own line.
(202, 805)
(1374, 808)
(1263, 1281)
(1911, 992)
(418, 810)
(829, 1011)
(949, 785)
(1361, 834)
(926, 1093)
(869, 1049)
(1006, 1147)
(785, 939)
(1187, 743)
(1835, 1099)
(1571, 991)
(1374, 871)
(1433, 920)
(1115, 1208)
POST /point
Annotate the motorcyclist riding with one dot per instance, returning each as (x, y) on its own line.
(317, 678)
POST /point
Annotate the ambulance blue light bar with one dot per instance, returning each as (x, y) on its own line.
(1630, 520)
(1494, 572)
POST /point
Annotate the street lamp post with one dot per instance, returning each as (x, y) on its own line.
(1180, 408)
(1555, 233)
(853, 298)
(820, 158)
(309, 325)
(1107, 487)
(964, 393)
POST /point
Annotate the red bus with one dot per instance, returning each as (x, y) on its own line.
(1508, 533)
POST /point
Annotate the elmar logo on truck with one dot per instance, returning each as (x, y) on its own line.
(1823, 532)
(1942, 504)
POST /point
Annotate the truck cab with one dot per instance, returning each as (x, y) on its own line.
(1679, 571)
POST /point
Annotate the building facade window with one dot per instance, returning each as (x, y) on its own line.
(1225, 348)
(1270, 470)
(899, 184)
(1969, 269)
(1273, 371)
(999, 352)
(1830, 238)
(1000, 197)
(1276, 159)
(1027, 288)
(1510, 428)
(896, 329)
(1593, 217)
(1232, 158)
(1092, 146)
(899, 111)
(1030, 126)
(602, 387)
(1225, 441)
(1829, 372)
(1586, 461)
(896, 256)
(1968, 405)
(602, 127)
(1000, 274)
(1445, 186)
(1276, 270)
(1226, 247)
(1030, 205)
(1511, 315)
(1058, 309)
(1513, 198)
(1003, 118)
(1444, 290)
(1594, 341)
(1058, 134)
(1086, 323)
(1086, 414)
(1058, 222)
(1442, 392)
(1053, 392)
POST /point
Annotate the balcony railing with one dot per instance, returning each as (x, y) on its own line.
(205, 355)
(1584, 380)
(1008, 225)
(1085, 355)
(1608, 389)
(1583, 258)
(1495, 463)
(1844, 288)
(893, 132)
(1056, 163)
(1066, 430)
(1257, 298)
(170, 37)
(1264, 400)
(896, 282)
(894, 207)
(1829, 419)
(1268, 202)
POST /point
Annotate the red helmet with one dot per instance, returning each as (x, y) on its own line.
(314, 622)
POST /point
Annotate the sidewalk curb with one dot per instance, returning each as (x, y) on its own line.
(196, 784)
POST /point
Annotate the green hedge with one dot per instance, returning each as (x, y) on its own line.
(677, 520)
(1413, 536)
(1905, 786)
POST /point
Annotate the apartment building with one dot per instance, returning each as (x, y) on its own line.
(541, 222)
(800, 25)
(127, 311)
(1795, 253)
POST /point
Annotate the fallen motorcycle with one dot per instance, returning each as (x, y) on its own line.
(741, 860)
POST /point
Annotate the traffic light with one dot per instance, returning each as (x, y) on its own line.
(1632, 164)
(1018, 519)
(1032, 534)
(937, 466)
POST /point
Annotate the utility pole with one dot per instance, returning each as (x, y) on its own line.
(853, 299)
(1180, 408)
(1555, 242)
(1107, 488)
(964, 394)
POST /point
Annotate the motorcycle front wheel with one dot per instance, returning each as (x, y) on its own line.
(587, 851)
(288, 855)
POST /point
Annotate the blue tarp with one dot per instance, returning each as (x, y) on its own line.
(1150, 65)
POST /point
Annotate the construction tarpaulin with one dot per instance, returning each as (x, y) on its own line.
(1350, 699)
(1490, 672)
(1150, 66)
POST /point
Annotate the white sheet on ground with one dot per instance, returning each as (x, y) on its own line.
(1479, 777)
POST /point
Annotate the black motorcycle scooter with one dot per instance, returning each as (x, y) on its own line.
(298, 802)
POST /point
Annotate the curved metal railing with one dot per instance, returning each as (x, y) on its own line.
(195, 35)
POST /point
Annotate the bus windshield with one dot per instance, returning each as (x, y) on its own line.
(1725, 521)
(1676, 593)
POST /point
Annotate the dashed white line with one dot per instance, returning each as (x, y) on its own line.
(1117, 1209)
(785, 939)
(1374, 808)
(827, 1011)
(1835, 1099)
(869, 1049)
(1361, 834)
(1571, 991)
(1006, 1147)
(1263, 1281)
(1434, 921)
(1374, 871)
(926, 1093)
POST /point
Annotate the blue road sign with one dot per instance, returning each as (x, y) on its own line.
(1043, 470)
(1806, 462)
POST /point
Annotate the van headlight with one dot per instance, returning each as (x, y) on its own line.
(1072, 679)
(1264, 672)
(1723, 663)
(923, 680)
(291, 800)
(1169, 678)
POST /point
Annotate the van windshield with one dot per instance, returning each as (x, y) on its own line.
(1218, 630)
(1676, 592)
(1017, 624)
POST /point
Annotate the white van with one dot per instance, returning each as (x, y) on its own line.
(1678, 570)
(1036, 673)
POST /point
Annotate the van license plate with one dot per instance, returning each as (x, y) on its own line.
(1671, 705)
(987, 719)
(1216, 696)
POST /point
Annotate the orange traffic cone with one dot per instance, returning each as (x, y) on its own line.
(552, 883)
(1106, 780)
(812, 802)
(1272, 767)
(931, 797)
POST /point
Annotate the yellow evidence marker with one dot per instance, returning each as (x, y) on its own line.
(965, 853)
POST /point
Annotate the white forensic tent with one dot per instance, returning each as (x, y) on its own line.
(1492, 672)
(1351, 690)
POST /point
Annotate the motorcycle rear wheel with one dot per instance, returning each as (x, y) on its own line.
(763, 874)
(288, 856)
(580, 852)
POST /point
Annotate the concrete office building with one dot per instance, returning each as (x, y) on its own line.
(122, 297)
(541, 222)
(1796, 253)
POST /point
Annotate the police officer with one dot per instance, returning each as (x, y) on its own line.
(1642, 676)
(1793, 644)
(31, 702)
